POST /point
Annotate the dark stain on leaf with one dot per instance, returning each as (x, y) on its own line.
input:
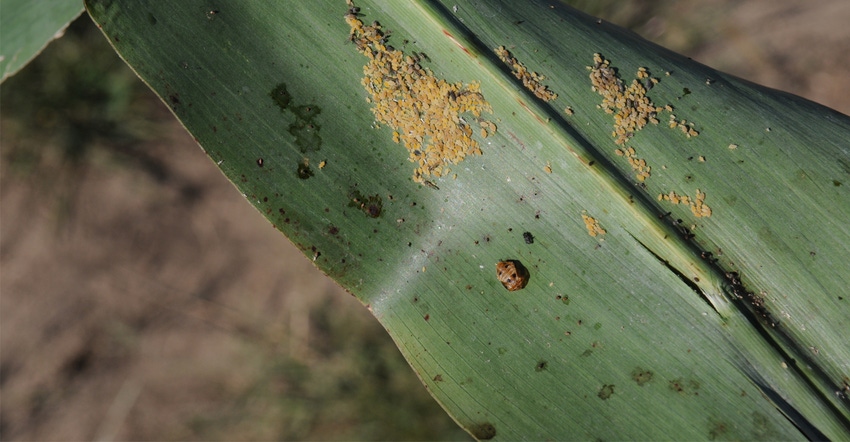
(685, 387)
(717, 429)
(304, 172)
(677, 386)
(606, 391)
(641, 376)
(483, 431)
(307, 113)
(281, 96)
(372, 205)
(305, 129)
(306, 134)
(541, 366)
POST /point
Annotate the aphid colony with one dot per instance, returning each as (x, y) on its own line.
(631, 107)
(424, 112)
(531, 80)
(593, 227)
(633, 110)
(697, 205)
(642, 170)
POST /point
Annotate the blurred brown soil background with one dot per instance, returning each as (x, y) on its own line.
(142, 298)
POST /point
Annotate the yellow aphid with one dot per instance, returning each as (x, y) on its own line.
(487, 128)
(322, 164)
(547, 168)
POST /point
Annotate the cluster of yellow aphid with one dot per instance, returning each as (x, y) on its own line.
(424, 112)
(531, 80)
(593, 227)
(642, 170)
(633, 110)
(631, 107)
(698, 206)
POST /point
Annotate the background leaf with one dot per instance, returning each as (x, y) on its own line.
(26, 27)
(454, 320)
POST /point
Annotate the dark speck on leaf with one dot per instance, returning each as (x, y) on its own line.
(541, 365)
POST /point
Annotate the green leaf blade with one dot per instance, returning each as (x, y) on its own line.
(26, 27)
(636, 352)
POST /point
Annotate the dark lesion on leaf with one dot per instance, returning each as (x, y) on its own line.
(371, 205)
(483, 431)
(304, 171)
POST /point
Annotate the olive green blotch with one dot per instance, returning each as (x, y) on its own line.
(371, 205)
(641, 376)
(606, 391)
(281, 96)
(483, 431)
(305, 129)
(304, 171)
